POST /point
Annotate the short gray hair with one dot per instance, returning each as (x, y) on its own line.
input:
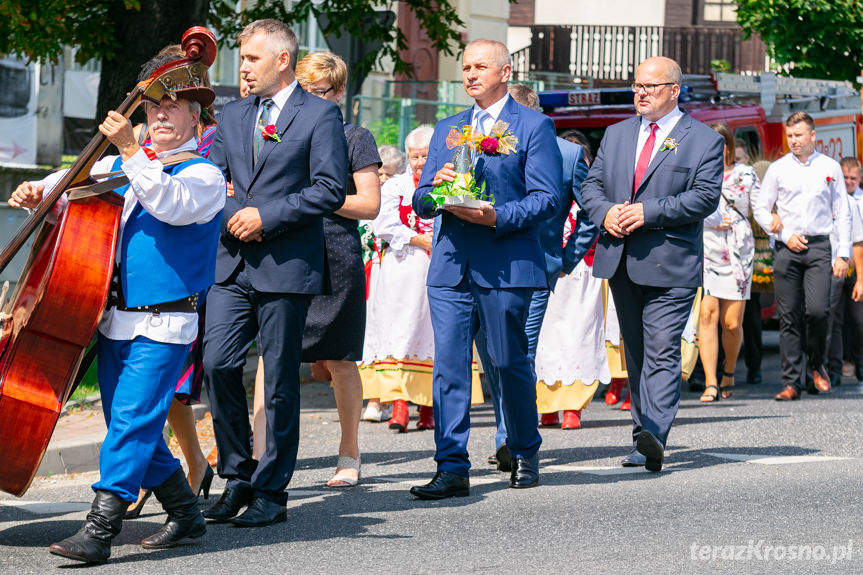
(501, 53)
(419, 137)
(280, 37)
(524, 95)
(392, 157)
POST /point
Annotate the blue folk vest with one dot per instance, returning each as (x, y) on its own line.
(160, 262)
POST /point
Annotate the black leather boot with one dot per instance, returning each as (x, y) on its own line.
(185, 524)
(92, 543)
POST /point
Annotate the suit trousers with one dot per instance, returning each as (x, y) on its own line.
(752, 333)
(802, 285)
(532, 327)
(652, 320)
(136, 380)
(846, 325)
(457, 313)
(236, 313)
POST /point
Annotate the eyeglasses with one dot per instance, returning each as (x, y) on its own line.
(649, 88)
(321, 93)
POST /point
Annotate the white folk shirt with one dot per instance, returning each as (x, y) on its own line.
(665, 125)
(810, 200)
(192, 196)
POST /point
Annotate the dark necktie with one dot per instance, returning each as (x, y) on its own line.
(263, 121)
(644, 158)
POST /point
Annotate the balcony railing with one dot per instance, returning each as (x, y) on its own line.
(610, 54)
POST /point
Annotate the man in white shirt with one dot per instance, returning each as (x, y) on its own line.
(169, 229)
(846, 291)
(808, 192)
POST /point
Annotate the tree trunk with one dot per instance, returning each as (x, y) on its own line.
(140, 35)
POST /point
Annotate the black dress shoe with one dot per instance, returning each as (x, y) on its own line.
(504, 458)
(444, 484)
(229, 504)
(653, 452)
(261, 512)
(634, 459)
(858, 372)
(753, 377)
(525, 472)
(492, 459)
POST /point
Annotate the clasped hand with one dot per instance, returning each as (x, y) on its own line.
(623, 219)
(246, 225)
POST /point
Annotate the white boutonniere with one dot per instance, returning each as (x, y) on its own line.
(669, 144)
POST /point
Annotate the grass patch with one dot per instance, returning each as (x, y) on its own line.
(88, 386)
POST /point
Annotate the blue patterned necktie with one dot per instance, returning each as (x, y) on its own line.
(480, 122)
(263, 120)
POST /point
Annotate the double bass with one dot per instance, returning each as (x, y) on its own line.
(52, 315)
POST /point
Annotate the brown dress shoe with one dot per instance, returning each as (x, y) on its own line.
(787, 394)
(821, 379)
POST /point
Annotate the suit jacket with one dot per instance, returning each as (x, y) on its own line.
(527, 191)
(558, 258)
(679, 189)
(295, 182)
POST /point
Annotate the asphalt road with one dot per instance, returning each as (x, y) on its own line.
(750, 486)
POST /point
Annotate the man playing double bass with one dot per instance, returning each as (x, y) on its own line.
(166, 253)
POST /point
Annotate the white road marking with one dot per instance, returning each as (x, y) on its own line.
(776, 459)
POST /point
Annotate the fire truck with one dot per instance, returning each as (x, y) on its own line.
(754, 107)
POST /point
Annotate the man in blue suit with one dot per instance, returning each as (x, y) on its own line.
(485, 264)
(286, 154)
(655, 178)
(557, 261)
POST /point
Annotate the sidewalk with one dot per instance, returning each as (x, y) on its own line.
(78, 436)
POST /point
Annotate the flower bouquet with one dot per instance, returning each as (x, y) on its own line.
(466, 144)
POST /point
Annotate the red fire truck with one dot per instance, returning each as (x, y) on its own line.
(755, 107)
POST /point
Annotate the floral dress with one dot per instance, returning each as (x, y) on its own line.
(728, 253)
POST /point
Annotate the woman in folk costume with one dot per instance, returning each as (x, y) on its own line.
(393, 163)
(399, 345)
(570, 358)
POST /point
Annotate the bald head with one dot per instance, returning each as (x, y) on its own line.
(657, 86)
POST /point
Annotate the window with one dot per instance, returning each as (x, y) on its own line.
(720, 11)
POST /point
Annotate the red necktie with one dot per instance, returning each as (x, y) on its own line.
(644, 158)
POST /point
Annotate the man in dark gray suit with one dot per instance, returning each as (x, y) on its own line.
(654, 180)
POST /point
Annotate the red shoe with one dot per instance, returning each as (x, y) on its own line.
(399, 421)
(549, 420)
(615, 389)
(571, 419)
(625, 406)
(426, 420)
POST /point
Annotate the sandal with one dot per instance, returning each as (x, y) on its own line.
(707, 396)
(727, 390)
(342, 480)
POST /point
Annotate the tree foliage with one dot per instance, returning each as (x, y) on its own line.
(356, 17)
(126, 33)
(811, 38)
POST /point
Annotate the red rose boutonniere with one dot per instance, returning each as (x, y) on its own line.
(268, 132)
(830, 180)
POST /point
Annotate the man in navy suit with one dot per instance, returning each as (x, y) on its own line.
(286, 154)
(654, 179)
(485, 264)
(557, 261)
